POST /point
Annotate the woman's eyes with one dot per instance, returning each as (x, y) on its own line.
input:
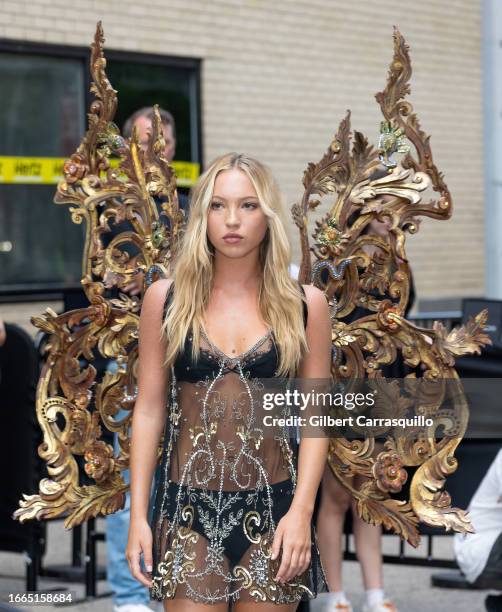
(248, 205)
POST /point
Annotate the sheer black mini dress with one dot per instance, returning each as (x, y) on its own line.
(223, 485)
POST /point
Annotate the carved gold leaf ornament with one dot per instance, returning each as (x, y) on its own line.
(369, 269)
(354, 265)
(392, 140)
(73, 406)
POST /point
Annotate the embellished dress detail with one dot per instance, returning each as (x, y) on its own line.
(223, 485)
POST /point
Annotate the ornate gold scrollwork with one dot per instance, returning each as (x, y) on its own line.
(370, 270)
(364, 270)
(72, 406)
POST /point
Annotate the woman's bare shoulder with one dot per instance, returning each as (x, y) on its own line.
(315, 297)
(318, 309)
(316, 363)
(155, 295)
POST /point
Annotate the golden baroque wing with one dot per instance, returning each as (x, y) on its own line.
(73, 406)
(112, 186)
(366, 276)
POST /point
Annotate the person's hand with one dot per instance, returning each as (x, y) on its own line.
(135, 287)
(140, 542)
(293, 533)
(3, 334)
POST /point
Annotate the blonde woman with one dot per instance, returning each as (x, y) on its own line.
(232, 519)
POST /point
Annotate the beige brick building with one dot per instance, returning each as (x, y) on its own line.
(277, 78)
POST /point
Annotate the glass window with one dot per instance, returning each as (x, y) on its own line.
(41, 115)
(172, 88)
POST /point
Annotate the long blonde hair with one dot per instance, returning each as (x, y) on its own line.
(280, 298)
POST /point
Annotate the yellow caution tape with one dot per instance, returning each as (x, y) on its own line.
(49, 170)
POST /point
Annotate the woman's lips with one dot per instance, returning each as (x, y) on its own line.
(232, 239)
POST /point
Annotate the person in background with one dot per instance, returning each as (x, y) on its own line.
(336, 500)
(128, 594)
(479, 555)
(142, 120)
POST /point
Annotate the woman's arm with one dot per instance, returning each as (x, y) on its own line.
(147, 425)
(294, 529)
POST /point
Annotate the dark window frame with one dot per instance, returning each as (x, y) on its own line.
(55, 291)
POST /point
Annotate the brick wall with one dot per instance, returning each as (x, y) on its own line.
(278, 77)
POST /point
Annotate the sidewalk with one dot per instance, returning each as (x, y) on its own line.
(409, 586)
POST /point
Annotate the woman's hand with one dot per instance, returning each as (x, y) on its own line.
(140, 541)
(293, 533)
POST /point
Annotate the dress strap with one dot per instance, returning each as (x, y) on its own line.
(167, 301)
(305, 307)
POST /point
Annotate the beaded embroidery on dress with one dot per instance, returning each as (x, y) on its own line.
(223, 485)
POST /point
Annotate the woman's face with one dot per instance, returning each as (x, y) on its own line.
(236, 223)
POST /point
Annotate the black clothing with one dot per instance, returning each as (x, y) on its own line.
(224, 485)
